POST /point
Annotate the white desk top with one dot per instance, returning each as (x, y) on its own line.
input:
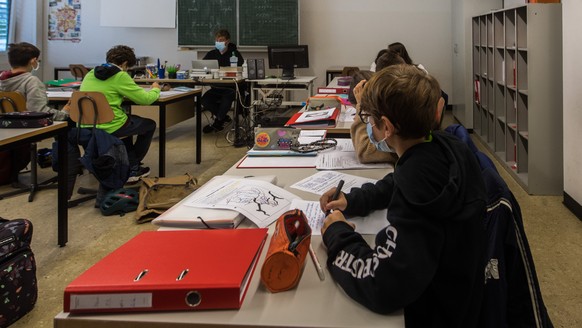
(313, 303)
(296, 80)
(8, 136)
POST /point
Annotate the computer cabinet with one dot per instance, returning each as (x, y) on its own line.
(517, 107)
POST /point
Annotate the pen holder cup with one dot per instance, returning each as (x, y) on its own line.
(161, 73)
(287, 252)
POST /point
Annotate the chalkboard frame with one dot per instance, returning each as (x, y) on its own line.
(210, 9)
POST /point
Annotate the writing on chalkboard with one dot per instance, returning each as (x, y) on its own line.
(250, 22)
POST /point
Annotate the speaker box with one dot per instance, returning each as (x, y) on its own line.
(260, 68)
(252, 69)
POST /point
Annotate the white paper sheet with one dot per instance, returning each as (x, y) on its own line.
(323, 181)
(341, 160)
(369, 225)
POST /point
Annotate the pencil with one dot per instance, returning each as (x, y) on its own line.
(316, 263)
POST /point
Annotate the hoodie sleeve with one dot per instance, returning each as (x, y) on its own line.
(37, 100)
(370, 197)
(129, 89)
(395, 272)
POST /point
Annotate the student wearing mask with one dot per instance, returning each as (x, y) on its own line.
(112, 80)
(366, 152)
(218, 100)
(430, 258)
(24, 58)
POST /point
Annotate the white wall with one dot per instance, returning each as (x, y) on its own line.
(572, 48)
(24, 11)
(338, 32)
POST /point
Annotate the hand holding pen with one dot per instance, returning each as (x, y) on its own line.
(333, 199)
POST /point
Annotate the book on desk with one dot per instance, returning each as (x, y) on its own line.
(169, 271)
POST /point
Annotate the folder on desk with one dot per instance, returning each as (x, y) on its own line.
(315, 119)
(169, 271)
(69, 83)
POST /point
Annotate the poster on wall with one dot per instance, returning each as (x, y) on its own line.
(64, 21)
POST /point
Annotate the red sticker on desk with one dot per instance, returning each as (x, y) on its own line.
(262, 139)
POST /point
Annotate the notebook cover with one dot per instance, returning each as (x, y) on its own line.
(170, 270)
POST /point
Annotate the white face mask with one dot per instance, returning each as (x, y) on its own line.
(380, 145)
(220, 45)
(37, 66)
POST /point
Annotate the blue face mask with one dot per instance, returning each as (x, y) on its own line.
(220, 46)
(380, 145)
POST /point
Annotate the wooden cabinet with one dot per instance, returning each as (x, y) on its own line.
(517, 107)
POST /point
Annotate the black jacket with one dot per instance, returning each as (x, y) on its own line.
(429, 259)
(224, 59)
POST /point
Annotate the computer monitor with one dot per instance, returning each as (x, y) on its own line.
(288, 58)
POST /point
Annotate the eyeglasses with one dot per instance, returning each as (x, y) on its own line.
(365, 117)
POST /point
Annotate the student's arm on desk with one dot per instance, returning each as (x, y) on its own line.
(130, 90)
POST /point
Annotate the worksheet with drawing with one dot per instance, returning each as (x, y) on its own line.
(261, 202)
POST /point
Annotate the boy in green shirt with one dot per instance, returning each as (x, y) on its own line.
(112, 80)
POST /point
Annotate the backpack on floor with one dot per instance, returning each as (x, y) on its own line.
(18, 286)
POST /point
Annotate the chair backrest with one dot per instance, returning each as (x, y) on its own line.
(12, 101)
(350, 70)
(90, 107)
(79, 71)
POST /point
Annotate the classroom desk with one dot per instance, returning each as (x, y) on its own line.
(10, 138)
(313, 303)
(238, 141)
(162, 103)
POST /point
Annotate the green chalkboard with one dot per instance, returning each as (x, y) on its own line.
(199, 19)
(250, 22)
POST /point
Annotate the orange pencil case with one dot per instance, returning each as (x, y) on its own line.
(287, 251)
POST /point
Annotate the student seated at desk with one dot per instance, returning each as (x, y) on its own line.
(112, 80)
(366, 152)
(25, 58)
(430, 257)
(218, 100)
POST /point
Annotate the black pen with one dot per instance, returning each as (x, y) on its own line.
(336, 193)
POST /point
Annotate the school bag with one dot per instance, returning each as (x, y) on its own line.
(18, 285)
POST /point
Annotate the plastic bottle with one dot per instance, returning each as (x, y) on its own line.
(245, 70)
(233, 60)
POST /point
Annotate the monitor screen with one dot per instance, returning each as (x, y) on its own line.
(288, 58)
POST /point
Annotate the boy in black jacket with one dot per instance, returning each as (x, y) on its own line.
(219, 99)
(429, 259)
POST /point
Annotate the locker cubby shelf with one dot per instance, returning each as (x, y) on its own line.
(515, 103)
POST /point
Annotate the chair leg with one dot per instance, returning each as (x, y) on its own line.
(34, 185)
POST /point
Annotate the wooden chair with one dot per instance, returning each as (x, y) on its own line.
(88, 108)
(79, 71)
(12, 101)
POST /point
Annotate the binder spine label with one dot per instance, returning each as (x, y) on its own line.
(110, 301)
